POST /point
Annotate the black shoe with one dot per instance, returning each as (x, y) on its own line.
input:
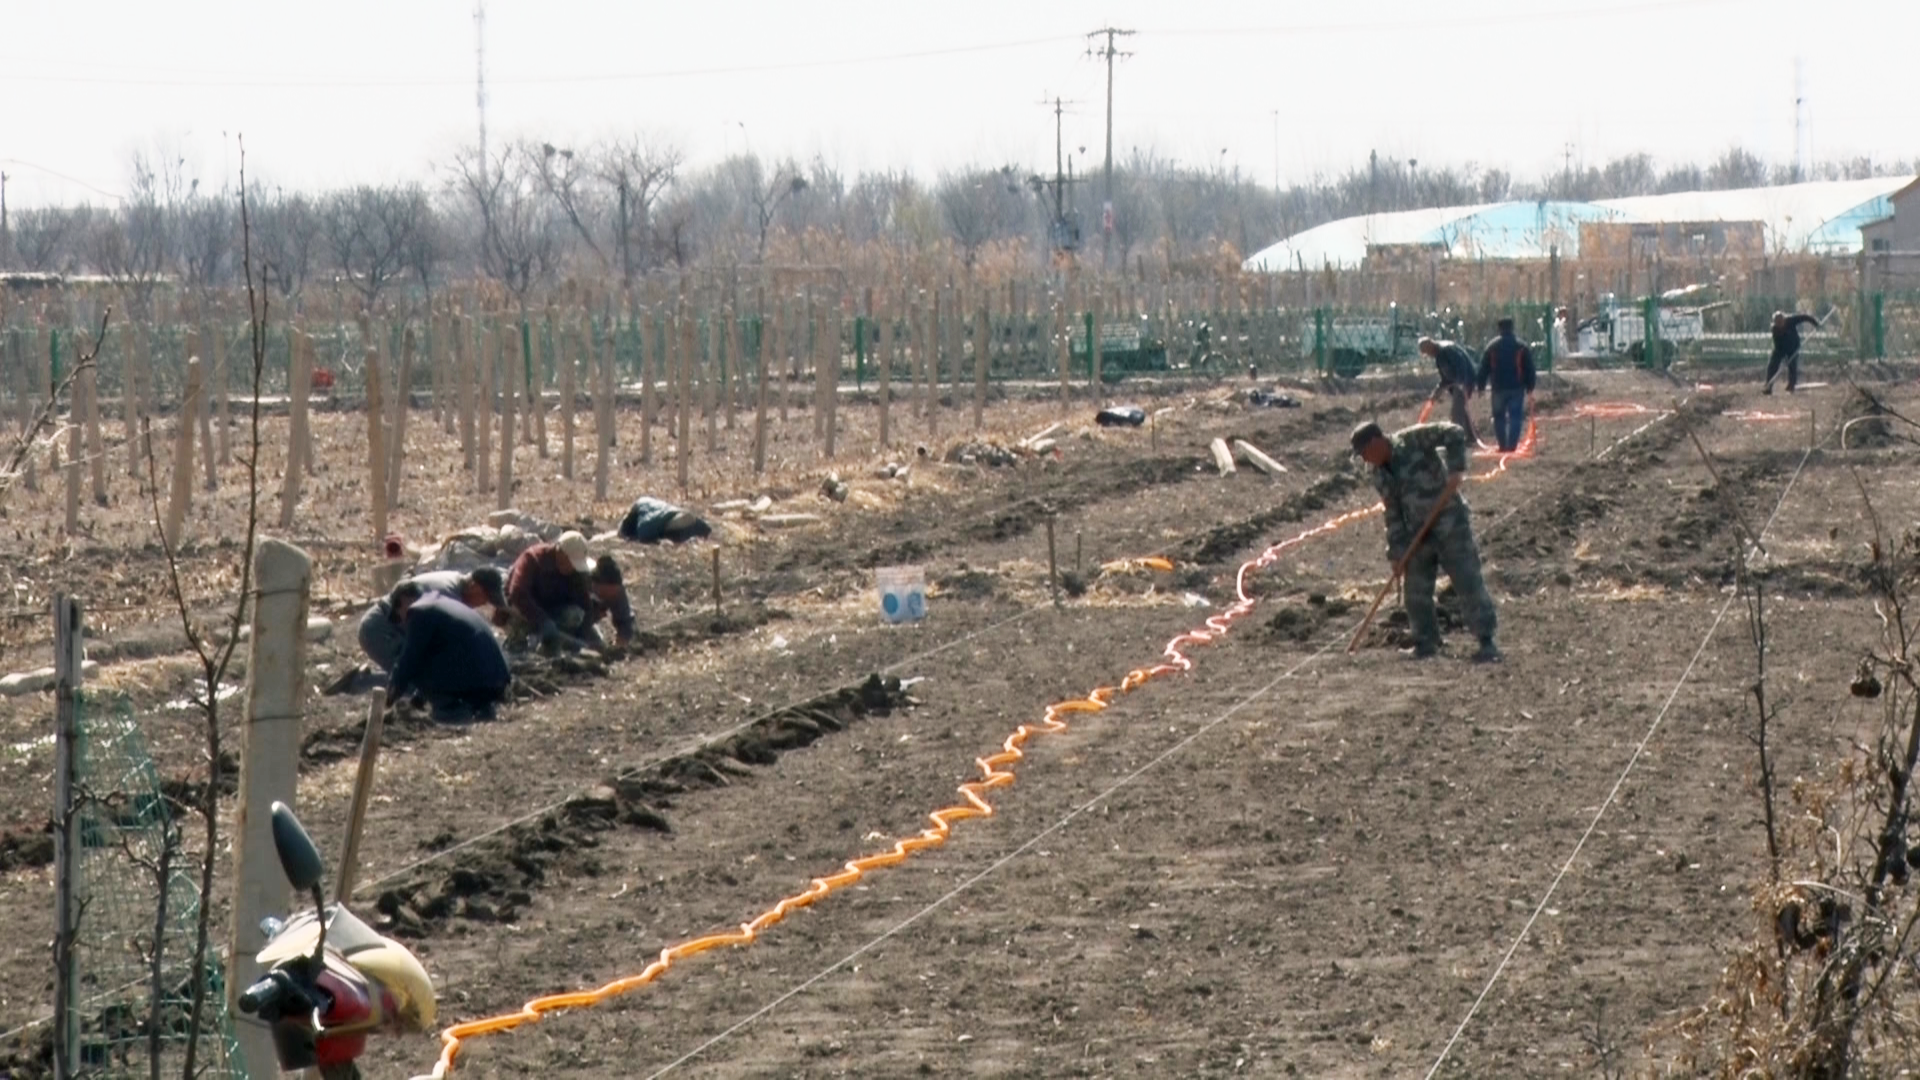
(453, 712)
(1422, 651)
(1767, 389)
(484, 711)
(1489, 652)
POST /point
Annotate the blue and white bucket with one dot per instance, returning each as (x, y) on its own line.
(903, 593)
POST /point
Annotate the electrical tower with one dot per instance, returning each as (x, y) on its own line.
(1106, 51)
(480, 79)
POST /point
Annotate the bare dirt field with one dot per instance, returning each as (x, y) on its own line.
(1288, 861)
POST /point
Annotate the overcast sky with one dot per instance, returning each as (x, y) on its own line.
(380, 90)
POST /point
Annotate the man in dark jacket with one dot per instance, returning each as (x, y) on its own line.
(1507, 367)
(650, 520)
(1457, 378)
(450, 657)
(1786, 348)
(380, 633)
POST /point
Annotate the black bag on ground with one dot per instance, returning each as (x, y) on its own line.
(1121, 416)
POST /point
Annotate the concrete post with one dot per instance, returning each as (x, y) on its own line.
(269, 764)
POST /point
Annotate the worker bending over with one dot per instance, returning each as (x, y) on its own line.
(1418, 472)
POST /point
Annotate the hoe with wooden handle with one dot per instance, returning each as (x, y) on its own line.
(1400, 568)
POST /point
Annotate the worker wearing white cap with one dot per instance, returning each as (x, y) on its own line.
(548, 598)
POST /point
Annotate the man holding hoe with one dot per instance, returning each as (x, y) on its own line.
(1418, 472)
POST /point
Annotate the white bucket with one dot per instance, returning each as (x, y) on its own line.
(903, 593)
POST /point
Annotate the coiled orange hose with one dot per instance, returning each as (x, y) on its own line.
(995, 771)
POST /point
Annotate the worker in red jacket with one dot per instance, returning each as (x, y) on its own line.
(548, 596)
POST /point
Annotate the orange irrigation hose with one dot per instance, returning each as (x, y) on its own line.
(974, 804)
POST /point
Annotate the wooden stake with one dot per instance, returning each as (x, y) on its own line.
(376, 448)
(600, 359)
(1093, 346)
(832, 360)
(536, 370)
(760, 392)
(222, 377)
(733, 367)
(402, 405)
(1593, 434)
(883, 354)
(708, 362)
(684, 398)
(649, 358)
(183, 454)
(510, 379)
(484, 345)
(1053, 565)
(1222, 457)
(73, 472)
(716, 582)
(96, 442)
(465, 373)
(567, 342)
(1062, 328)
(782, 359)
(445, 330)
(297, 382)
(362, 796)
(982, 357)
(203, 416)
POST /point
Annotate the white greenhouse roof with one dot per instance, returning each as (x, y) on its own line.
(1822, 216)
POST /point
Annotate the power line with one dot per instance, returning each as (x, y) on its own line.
(14, 75)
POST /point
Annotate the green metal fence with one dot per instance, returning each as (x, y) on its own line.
(129, 909)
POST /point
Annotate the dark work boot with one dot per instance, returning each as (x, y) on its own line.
(1489, 652)
(1421, 650)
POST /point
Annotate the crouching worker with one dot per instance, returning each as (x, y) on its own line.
(548, 600)
(1418, 472)
(381, 635)
(607, 597)
(449, 657)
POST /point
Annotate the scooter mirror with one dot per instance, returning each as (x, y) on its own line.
(299, 859)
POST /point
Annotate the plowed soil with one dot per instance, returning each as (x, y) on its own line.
(1290, 861)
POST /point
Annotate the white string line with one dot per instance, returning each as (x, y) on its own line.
(1003, 860)
(692, 748)
(1620, 782)
(942, 901)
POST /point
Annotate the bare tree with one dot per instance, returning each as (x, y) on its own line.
(43, 238)
(519, 240)
(567, 180)
(286, 232)
(204, 240)
(371, 233)
(639, 173)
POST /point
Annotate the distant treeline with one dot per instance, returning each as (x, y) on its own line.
(532, 215)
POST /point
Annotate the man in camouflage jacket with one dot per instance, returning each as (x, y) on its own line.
(1416, 469)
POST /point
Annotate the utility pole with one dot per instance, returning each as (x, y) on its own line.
(1108, 53)
(480, 79)
(1566, 171)
(6, 245)
(1799, 120)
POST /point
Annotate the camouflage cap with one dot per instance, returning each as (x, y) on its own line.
(1365, 434)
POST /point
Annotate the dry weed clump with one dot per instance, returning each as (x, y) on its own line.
(1827, 984)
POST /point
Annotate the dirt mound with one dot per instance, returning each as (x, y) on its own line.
(493, 880)
(26, 847)
(1301, 623)
(1225, 541)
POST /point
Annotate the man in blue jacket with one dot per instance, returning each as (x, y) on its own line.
(1507, 367)
(450, 657)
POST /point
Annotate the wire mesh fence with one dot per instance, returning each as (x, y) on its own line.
(138, 902)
